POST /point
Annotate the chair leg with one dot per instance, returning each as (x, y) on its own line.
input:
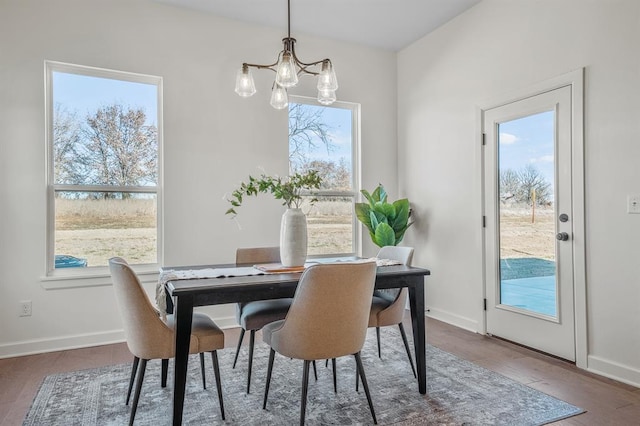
(235, 359)
(272, 354)
(163, 375)
(335, 377)
(136, 396)
(204, 378)
(357, 380)
(365, 386)
(406, 346)
(315, 372)
(252, 339)
(326, 363)
(305, 387)
(134, 369)
(216, 372)
(378, 337)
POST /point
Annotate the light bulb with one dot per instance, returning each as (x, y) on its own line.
(286, 75)
(279, 98)
(326, 97)
(327, 78)
(245, 86)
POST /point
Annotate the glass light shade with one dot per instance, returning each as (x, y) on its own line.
(279, 98)
(327, 79)
(326, 97)
(286, 75)
(245, 86)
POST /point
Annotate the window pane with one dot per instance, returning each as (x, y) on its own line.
(104, 131)
(95, 226)
(527, 214)
(322, 138)
(330, 226)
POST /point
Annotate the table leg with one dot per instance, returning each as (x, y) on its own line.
(184, 315)
(416, 303)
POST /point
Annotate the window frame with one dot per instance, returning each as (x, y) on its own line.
(356, 179)
(91, 276)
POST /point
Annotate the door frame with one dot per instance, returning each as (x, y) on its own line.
(574, 79)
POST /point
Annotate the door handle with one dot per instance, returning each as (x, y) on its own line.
(562, 236)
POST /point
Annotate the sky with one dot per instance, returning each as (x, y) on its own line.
(85, 94)
(528, 140)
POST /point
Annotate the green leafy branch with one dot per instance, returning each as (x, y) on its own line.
(289, 189)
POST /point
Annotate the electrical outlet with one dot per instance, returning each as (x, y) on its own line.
(633, 204)
(25, 308)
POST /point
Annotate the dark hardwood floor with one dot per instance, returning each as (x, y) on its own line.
(607, 402)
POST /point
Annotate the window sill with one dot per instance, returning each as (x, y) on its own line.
(94, 277)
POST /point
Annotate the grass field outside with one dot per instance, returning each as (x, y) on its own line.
(99, 229)
(520, 237)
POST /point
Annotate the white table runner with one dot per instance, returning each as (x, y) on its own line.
(195, 274)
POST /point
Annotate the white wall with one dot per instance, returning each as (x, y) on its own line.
(212, 140)
(498, 47)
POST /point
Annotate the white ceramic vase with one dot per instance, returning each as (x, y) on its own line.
(293, 238)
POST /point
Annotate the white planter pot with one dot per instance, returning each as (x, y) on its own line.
(293, 238)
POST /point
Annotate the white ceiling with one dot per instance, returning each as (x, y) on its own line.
(386, 24)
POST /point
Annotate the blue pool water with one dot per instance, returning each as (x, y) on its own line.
(529, 283)
(536, 294)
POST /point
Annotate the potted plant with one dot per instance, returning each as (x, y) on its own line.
(289, 189)
(386, 222)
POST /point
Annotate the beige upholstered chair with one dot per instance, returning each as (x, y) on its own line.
(327, 319)
(253, 316)
(387, 307)
(148, 337)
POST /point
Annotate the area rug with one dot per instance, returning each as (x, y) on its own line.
(458, 393)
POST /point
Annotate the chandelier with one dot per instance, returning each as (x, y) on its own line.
(287, 68)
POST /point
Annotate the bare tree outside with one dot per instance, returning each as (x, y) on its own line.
(518, 186)
(66, 143)
(113, 146)
(120, 149)
(307, 131)
(335, 175)
(509, 184)
(530, 179)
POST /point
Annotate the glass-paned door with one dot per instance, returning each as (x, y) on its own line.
(528, 203)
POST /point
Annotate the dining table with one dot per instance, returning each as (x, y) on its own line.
(200, 289)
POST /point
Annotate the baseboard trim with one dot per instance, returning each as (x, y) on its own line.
(453, 319)
(38, 346)
(613, 370)
(77, 341)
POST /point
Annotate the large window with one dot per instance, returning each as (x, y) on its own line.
(104, 144)
(326, 139)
